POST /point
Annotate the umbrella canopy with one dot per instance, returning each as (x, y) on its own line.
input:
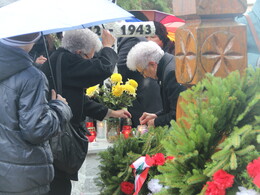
(50, 16)
(171, 22)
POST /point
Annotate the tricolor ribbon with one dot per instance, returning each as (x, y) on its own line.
(141, 167)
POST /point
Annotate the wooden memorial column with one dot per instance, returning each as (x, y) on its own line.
(210, 41)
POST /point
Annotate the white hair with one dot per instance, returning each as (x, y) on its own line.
(81, 39)
(142, 53)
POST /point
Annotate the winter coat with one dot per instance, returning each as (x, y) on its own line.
(253, 54)
(170, 90)
(27, 122)
(77, 75)
(148, 98)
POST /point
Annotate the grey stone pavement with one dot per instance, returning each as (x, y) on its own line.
(88, 172)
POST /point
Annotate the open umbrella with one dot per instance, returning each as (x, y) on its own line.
(171, 22)
(50, 16)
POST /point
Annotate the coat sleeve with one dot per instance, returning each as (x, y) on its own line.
(83, 73)
(94, 109)
(40, 120)
(172, 92)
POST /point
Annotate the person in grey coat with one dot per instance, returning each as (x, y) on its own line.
(253, 52)
(27, 120)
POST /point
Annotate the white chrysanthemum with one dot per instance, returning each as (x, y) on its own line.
(154, 186)
(244, 191)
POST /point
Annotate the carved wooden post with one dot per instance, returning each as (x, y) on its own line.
(210, 41)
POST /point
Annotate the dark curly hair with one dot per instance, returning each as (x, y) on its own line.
(161, 32)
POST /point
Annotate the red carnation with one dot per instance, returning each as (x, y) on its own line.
(223, 179)
(257, 180)
(169, 158)
(158, 159)
(253, 168)
(127, 187)
(214, 189)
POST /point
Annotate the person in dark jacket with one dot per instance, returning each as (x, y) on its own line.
(27, 120)
(151, 61)
(38, 52)
(79, 70)
(148, 97)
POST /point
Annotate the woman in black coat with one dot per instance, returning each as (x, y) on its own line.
(79, 70)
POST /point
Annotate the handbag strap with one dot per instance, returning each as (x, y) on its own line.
(254, 33)
(58, 74)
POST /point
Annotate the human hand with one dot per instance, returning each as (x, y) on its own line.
(108, 39)
(120, 114)
(147, 117)
(40, 60)
(150, 123)
(55, 96)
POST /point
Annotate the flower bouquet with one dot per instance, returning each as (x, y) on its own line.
(115, 95)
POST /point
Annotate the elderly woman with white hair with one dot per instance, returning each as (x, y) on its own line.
(79, 70)
(151, 61)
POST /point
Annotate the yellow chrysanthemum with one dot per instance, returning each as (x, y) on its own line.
(92, 90)
(117, 90)
(129, 89)
(132, 83)
(116, 78)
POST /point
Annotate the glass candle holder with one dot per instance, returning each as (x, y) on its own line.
(101, 129)
(113, 129)
(142, 129)
(126, 131)
(93, 134)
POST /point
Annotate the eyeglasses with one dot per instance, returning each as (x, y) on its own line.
(85, 55)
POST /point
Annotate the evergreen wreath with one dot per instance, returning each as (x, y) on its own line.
(116, 160)
(224, 119)
(216, 145)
